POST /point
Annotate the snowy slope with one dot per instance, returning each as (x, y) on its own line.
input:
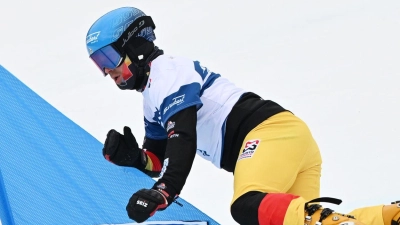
(334, 64)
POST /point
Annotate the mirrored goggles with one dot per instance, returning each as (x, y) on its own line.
(107, 57)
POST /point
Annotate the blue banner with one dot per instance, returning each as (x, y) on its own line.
(52, 171)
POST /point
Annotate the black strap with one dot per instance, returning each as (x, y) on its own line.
(325, 213)
(326, 199)
(312, 209)
(134, 29)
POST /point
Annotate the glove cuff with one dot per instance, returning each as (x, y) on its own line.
(167, 190)
(141, 161)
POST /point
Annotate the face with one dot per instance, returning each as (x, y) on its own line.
(121, 73)
(115, 74)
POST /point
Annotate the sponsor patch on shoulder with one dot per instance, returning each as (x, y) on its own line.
(249, 149)
(170, 125)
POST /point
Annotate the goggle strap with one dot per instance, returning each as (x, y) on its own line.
(133, 30)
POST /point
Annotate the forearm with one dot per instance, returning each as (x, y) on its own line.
(180, 150)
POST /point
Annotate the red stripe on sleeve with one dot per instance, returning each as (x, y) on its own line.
(155, 161)
(273, 207)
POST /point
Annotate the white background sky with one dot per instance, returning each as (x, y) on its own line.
(335, 64)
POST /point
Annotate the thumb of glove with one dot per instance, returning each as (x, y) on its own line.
(130, 139)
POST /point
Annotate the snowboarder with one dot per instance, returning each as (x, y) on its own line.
(189, 109)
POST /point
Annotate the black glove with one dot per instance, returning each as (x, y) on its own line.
(145, 203)
(123, 150)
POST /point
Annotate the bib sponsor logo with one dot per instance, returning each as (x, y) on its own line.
(175, 101)
(249, 149)
(203, 152)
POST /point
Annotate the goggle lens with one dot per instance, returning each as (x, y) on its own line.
(107, 57)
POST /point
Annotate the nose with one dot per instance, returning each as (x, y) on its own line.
(107, 71)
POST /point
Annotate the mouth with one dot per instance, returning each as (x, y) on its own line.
(115, 78)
